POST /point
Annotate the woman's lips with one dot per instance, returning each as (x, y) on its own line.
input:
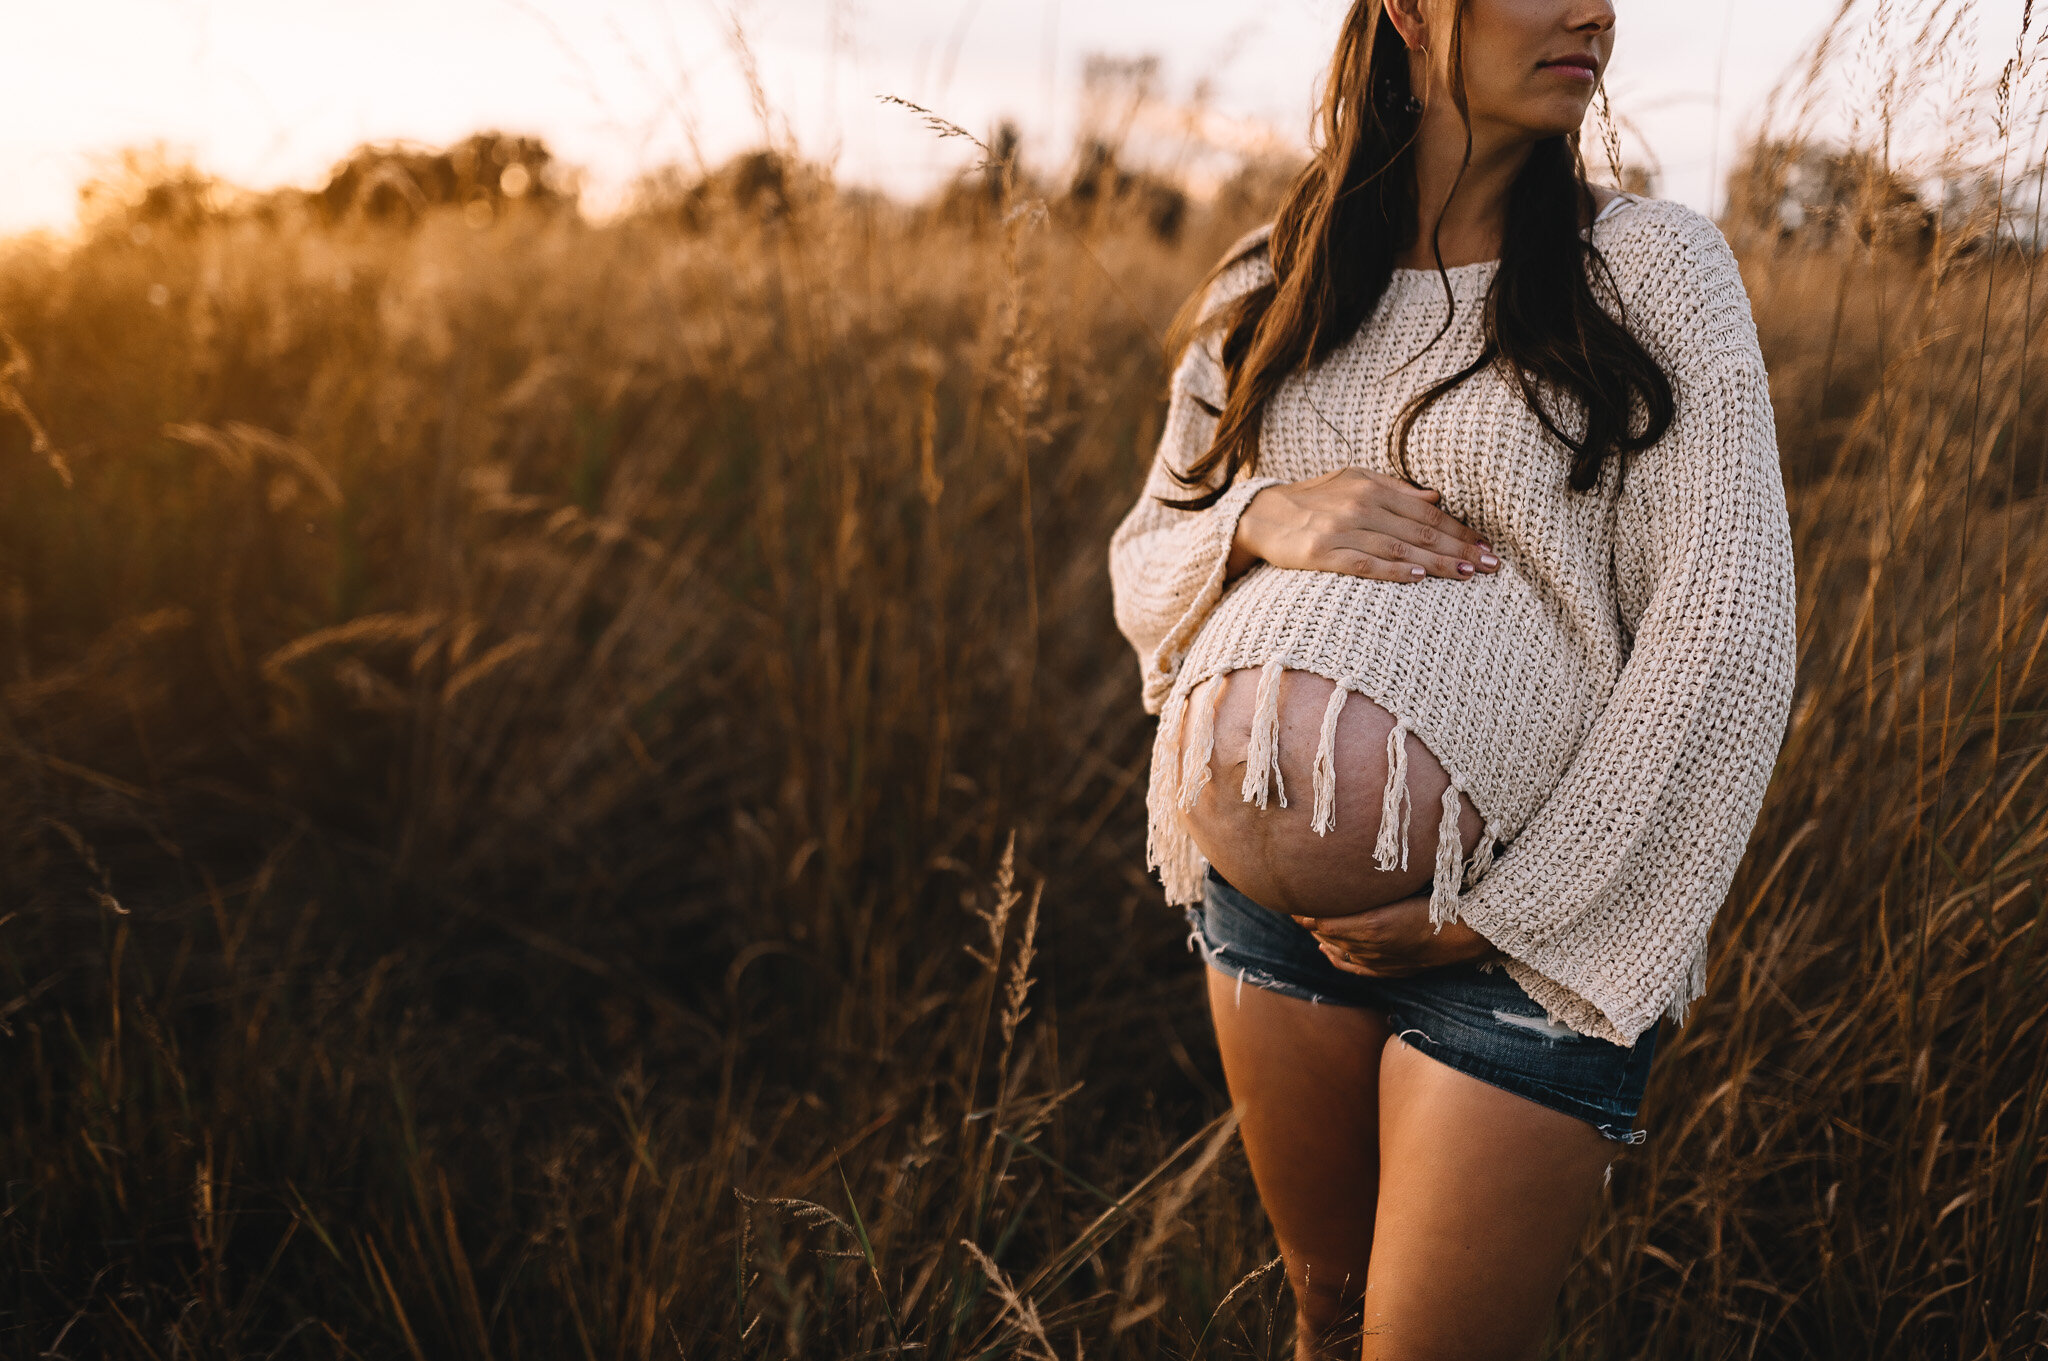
(1576, 69)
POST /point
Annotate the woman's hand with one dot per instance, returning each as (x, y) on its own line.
(1396, 940)
(1364, 524)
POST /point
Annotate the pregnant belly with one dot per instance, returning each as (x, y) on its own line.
(1273, 854)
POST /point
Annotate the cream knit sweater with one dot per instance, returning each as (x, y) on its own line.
(1612, 699)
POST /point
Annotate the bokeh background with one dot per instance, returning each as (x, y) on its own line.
(263, 94)
(567, 783)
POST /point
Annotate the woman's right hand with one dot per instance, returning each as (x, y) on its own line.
(1364, 524)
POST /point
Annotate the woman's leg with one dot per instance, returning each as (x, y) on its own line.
(1305, 1079)
(1483, 1196)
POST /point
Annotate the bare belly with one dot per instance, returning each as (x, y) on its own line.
(1273, 855)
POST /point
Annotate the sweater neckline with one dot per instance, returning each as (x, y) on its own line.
(1477, 266)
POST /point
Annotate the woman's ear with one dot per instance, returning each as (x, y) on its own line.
(1411, 20)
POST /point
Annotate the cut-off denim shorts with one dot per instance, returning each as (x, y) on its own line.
(1476, 1020)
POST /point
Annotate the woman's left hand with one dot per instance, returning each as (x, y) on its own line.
(1396, 940)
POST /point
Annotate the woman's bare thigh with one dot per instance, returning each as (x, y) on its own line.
(1483, 1196)
(1402, 1191)
(1272, 854)
(1305, 1081)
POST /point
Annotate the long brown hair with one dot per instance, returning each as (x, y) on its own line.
(1348, 217)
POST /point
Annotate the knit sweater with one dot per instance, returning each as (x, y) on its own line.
(1612, 699)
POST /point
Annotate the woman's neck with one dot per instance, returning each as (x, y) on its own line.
(1471, 220)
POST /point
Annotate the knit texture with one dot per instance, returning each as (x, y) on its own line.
(1612, 699)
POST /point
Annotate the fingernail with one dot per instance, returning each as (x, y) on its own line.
(1489, 560)
(1464, 569)
(1414, 571)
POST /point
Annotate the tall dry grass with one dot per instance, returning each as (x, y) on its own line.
(572, 791)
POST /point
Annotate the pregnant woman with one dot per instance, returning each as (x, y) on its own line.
(1462, 585)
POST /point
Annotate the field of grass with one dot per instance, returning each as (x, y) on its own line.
(571, 790)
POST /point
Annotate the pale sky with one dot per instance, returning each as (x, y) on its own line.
(265, 93)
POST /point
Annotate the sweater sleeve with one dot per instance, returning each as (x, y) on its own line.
(1604, 900)
(1166, 566)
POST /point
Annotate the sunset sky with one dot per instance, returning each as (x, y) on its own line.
(265, 93)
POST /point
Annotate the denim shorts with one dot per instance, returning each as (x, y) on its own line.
(1476, 1020)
